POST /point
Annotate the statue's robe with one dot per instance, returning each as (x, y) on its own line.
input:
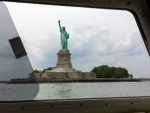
(64, 36)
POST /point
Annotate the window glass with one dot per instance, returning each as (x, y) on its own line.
(99, 53)
(14, 63)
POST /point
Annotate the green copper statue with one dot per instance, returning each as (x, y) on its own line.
(64, 36)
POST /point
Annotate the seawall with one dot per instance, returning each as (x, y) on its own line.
(26, 81)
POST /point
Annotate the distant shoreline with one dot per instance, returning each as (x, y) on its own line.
(89, 80)
(26, 81)
(1, 82)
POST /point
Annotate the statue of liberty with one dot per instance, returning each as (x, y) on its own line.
(64, 36)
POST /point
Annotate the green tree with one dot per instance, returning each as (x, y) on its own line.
(46, 69)
(105, 71)
(130, 76)
(36, 71)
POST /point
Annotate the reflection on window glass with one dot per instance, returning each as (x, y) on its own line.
(82, 52)
(14, 68)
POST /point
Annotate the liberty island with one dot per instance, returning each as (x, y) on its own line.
(64, 71)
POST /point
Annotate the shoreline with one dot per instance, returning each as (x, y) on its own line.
(26, 81)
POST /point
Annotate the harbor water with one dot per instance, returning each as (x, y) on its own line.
(49, 91)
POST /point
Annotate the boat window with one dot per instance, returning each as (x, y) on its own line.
(74, 52)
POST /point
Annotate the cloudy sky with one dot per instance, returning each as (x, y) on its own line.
(97, 37)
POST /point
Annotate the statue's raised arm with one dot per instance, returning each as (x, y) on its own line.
(59, 24)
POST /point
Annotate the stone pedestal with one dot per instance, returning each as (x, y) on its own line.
(64, 69)
(64, 60)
